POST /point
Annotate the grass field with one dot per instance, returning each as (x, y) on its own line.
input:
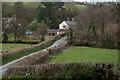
(29, 4)
(81, 6)
(48, 37)
(11, 39)
(89, 54)
(8, 47)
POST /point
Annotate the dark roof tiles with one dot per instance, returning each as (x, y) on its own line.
(70, 22)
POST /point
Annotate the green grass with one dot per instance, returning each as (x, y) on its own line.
(29, 4)
(9, 47)
(48, 37)
(81, 6)
(87, 54)
(11, 39)
(21, 54)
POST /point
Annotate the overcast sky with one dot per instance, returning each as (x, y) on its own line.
(97, 0)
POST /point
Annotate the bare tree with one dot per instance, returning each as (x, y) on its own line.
(24, 15)
(41, 31)
(95, 21)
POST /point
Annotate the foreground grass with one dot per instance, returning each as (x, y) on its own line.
(21, 54)
(8, 47)
(87, 54)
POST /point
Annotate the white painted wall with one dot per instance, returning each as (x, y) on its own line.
(58, 33)
(61, 26)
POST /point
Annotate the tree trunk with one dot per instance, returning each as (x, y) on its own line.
(70, 35)
(18, 38)
(42, 38)
(98, 43)
(15, 35)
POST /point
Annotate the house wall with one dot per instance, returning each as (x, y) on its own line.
(61, 26)
(59, 33)
(52, 34)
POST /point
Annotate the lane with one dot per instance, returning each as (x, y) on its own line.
(4, 67)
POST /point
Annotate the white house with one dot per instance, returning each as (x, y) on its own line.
(66, 24)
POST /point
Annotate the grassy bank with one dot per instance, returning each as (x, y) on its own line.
(87, 54)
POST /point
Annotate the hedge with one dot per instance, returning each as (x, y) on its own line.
(83, 71)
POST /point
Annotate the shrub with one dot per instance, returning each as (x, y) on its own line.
(88, 72)
(108, 42)
(77, 71)
(83, 71)
(5, 37)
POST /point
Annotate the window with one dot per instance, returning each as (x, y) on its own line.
(64, 26)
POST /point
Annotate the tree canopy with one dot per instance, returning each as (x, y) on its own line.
(47, 13)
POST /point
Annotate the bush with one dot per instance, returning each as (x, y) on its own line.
(88, 72)
(83, 71)
(108, 42)
(77, 71)
(5, 37)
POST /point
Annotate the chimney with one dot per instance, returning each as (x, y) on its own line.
(73, 19)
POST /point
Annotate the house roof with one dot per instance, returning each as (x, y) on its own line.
(55, 30)
(70, 22)
(28, 32)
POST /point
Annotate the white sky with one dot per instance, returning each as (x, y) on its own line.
(97, 0)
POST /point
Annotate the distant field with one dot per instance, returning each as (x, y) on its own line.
(29, 4)
(8, 47)
(81, 6)
(48, 37)
(11, 38)
(24, 40)
(36, 4)
(81, 54)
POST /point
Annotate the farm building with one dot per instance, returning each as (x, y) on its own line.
(28, 32)
(55, 31)
(62, 27)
